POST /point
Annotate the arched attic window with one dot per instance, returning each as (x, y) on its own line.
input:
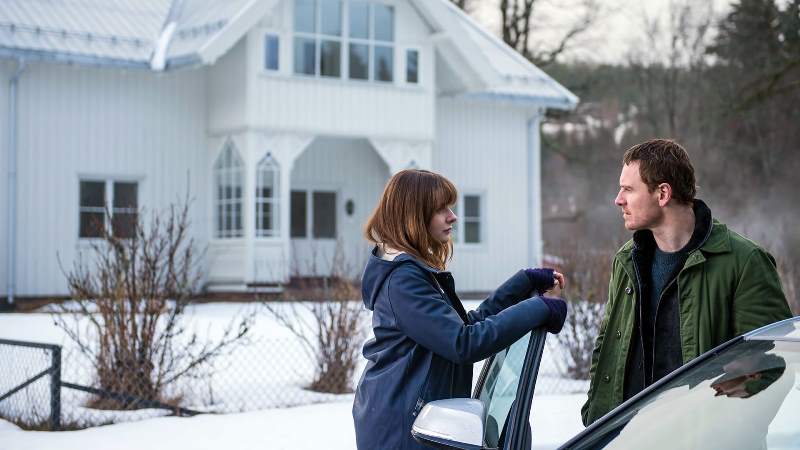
(228, 193)
(267, 197)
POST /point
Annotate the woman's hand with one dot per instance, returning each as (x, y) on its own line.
(561, 282)
(546, 280)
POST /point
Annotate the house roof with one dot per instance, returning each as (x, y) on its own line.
(148, 34)
(165, 34)
(499, 71)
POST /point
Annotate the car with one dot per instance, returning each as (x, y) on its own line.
(744, 394)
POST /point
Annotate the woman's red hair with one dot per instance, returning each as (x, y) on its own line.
(401, 219)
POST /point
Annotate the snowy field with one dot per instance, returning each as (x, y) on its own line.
(267, 375)
(325, 426)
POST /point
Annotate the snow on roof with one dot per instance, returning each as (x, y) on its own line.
(514, 76)
(114, 32)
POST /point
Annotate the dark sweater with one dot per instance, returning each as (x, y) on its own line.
(664, 265)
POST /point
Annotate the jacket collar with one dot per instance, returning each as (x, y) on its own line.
(404, 258)
(709, 236)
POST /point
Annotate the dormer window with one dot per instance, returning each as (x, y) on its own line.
(351, 39)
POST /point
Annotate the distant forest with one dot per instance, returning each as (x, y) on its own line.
(726, 87)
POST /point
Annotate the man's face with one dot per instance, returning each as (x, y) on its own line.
(640, 208)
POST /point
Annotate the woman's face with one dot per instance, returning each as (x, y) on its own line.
(441, 225)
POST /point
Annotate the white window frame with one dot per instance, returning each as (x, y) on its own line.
(268, 164)
(270, 34)
(344, 44)
(482, 221)
(108, 202)
(235, 174)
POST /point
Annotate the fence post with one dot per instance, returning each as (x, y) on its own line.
(55, 389)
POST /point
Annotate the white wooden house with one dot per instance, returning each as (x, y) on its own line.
(283, 119)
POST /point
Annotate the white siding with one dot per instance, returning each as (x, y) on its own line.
(482, 147)
(76, 122)
(352, 169)
(227, 90)
(341, 108)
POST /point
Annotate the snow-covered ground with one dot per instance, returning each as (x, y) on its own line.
(268, 373)
(325, 426)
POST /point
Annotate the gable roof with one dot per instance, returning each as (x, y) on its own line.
(164, 34)
(498, 71)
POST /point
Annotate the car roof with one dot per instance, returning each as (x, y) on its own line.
(785, 330)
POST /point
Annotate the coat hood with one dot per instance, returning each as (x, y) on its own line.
(378, 270)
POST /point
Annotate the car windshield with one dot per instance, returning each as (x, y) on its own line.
(500, 388)
(745, 397)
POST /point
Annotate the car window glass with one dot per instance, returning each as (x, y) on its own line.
(745, 397)
(500, 388)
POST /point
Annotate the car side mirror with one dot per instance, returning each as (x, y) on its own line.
(456, 423)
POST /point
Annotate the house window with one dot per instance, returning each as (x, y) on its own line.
(123, 211)
(95, 195)
(323, 48)
(469, 227)
(228, 182)
(318, 37)
(271, 52)
(317, 219)
(267, 197)
(412, 66)
(472, 219)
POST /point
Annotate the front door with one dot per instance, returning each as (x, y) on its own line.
(314, 232)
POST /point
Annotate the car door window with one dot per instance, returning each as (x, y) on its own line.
(500, 388)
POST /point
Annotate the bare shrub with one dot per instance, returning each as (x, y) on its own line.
(325, 314)
(128, 311)
(588, 271)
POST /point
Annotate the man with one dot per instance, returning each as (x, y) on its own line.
(683, 285)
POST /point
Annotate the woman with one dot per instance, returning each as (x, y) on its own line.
(425, 342)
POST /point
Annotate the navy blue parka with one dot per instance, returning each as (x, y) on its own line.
(425, 343)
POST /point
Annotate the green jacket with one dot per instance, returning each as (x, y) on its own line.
(728, 286)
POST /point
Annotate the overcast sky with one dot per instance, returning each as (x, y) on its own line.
(610, 39)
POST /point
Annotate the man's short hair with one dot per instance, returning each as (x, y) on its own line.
(664, 161)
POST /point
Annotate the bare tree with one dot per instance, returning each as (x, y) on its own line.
(670, 64)
(518, 20)
(128, 309)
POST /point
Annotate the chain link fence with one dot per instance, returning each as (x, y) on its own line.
(42, 390)
(29, 384)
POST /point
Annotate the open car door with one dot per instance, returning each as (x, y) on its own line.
(505, 387)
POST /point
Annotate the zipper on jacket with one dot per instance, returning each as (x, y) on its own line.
(639, 310)
(655, 320)
(418, 406)
(420, 401)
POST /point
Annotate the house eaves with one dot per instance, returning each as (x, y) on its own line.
(238, 25)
